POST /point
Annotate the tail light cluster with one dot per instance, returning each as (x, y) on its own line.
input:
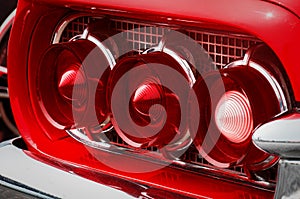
(232, 103)
(162, 96)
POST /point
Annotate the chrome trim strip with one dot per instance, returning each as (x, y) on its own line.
(3, 70)
(280, 136)
(47, 180)
(7, 24)
(288, 185)
(85, 35)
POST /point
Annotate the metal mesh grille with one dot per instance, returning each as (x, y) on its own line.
(75, 27)
(141, 36)
(223, 49)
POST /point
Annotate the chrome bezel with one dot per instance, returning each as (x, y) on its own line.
(268, 76)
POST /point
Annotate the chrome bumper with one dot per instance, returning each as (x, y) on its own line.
(25, 177)
(282, 137)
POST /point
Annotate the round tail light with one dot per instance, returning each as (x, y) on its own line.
(68, 90)
(146, 99)
(232, 103)
(56, 77)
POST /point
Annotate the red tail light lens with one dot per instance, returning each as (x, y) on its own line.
(154, 113)
(232, 103)
(58, 73)
(67, 85)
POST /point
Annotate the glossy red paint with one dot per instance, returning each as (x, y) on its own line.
(291, 5)
(32, 33)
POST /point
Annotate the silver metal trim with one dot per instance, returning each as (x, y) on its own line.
(275, 85)
(280, 136)
(7, 24)
(288, 185)
(109, 57)
(62, 26)
(47, 181)
(182, 62)
(85, 35)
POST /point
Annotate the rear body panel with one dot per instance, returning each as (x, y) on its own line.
(35, 22)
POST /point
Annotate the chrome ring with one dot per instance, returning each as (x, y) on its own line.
(269, 77)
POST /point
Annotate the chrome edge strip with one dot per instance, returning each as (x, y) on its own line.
(61, 27)
(275, 85)
(7, 24)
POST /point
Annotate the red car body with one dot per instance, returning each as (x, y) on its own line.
(275, 23)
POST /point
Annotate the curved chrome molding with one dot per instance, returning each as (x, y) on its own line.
(108, 55)
(62, 26)
(4, 28)
(85, 35)
(275, 85)
(280, 136)
(7, 24)
(182, 62)
(271, 79)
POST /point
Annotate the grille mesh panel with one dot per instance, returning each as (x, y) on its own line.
(222, 48)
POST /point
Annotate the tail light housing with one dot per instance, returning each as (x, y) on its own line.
(232, 103)
(59, 71)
